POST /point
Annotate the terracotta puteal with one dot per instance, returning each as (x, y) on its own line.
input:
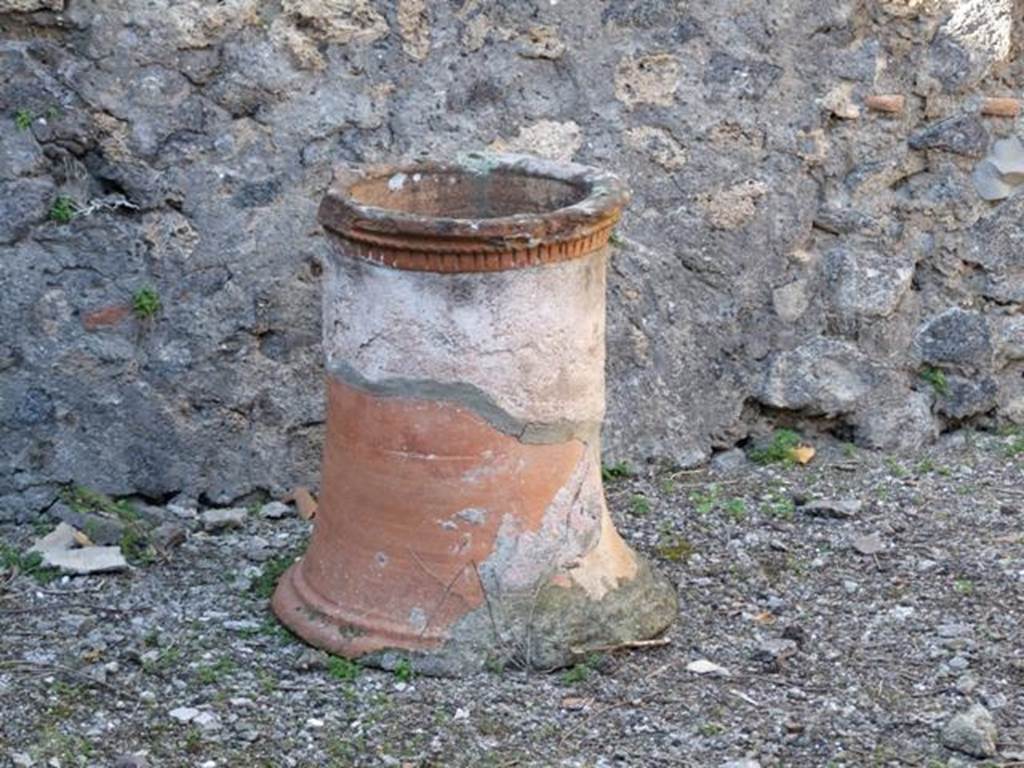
(462, 519)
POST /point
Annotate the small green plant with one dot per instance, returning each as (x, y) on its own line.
(136, 545)
(639, 505)
(83, 499)
(264, 584)
(781, 507)
(937, 379)
(925, 466)
(616, 471)
(779, 450)
(22, 119)
(146, 303)
(193, 740)
(849, 450)
(29, 563)
(53, 112)
(577, 673)
(735, 510)
(705, 501)
(895, 468)
(1015, 448)
(711, 729)
(63, 209)
(167, 659)
(963, 586)
(403, 671)
(341, 668)
(135, 541)
(674, 547)
(667, 486)
(615, 238)
(213, 673)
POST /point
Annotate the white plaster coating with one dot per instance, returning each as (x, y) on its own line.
(570, 528)
(532, 339)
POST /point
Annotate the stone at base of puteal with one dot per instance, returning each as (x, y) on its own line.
(551, 628)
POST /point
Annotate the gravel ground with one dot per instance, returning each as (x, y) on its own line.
(850, 636)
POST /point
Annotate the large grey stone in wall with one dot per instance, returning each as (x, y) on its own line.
(865, 283)
(955, 337)
(961, 135)
(896, 419)
(974, 36)
(824, 376)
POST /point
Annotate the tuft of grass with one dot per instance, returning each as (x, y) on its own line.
(265, 584)
(84, 499)
(403, 671)
(781, 507)
(341, 668)
(735, 509)
(937, 379)
(674, 547)
(706, 501)
(578, 673)
(146, 303)
(22, 119)
(617, 471)
(63, 209)
(895, 468)
(779, 450)
(209, 674)
(639, 505)
(135, 541)
(29, 563)
(1015, 448)
(963, 586)
(711, 729)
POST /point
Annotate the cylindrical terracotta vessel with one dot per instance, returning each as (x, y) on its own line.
(462, 518)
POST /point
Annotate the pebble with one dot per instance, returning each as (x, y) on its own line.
(207, 721)
(184, 511)
(131, 761)
(728, 461)
(275, 510)
(972, 732)
(966, 684)
(959, 663)
(868, 544)
(953, 630)
(222, 519)
(311, 659)
(705, 667)
(775, 650)
(184, 714)
(839, 509)
(168, 535)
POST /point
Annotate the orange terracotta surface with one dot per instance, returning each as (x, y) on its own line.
(414, 494)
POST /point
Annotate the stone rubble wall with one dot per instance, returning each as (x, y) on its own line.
(791, 254)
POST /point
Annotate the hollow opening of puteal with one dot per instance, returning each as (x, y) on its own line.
(464, 194)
